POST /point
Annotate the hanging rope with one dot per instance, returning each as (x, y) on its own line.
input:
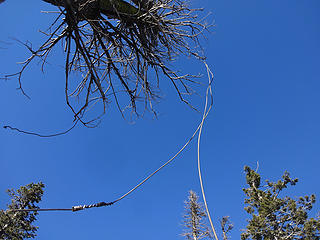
(207, 109)
(205, 114)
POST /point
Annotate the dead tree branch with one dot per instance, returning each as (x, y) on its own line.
(121, 50)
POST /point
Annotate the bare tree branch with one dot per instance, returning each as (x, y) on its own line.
(122, 49)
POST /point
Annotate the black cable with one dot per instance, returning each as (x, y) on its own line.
(41, 135)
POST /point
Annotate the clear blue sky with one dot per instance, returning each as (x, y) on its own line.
(265, 56)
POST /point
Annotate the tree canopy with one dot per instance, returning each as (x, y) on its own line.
(274, 217)
(16, 225)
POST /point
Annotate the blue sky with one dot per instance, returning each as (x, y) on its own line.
(265, 57)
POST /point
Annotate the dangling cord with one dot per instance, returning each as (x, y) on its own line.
(41, 135)
(208, 107)
(205, 114)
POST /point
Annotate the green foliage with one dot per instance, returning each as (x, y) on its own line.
(274, 217)
(17, 225)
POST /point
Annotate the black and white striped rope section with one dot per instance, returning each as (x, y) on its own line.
(73, 209)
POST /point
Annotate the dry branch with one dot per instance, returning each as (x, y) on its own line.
(120, 48)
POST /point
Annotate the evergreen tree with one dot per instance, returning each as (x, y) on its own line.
(16, 225)
(194, 219)
(272, 217)
(275, 217)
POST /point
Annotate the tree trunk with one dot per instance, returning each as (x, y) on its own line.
(111, 8)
